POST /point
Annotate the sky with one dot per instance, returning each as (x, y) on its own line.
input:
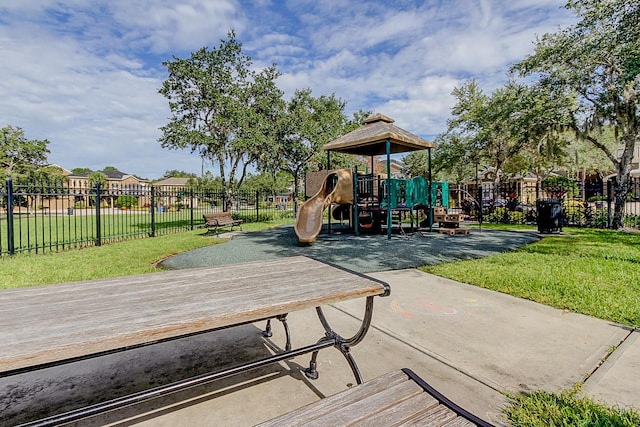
(85, 74)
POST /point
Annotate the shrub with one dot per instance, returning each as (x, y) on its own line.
(126, 201)
(573, 211)
(631, 220)
(505, 216)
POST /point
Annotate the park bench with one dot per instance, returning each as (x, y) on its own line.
(397, 398)
(220, 220)
(47, 326)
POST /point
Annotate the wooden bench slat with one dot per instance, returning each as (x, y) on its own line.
(401, 412)
(342, 414)
(438, 416)
(346, 397)
(394, 399)
(220, 220)
(459, 422)
(82, 318)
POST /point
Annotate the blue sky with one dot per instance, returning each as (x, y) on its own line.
(85, 74)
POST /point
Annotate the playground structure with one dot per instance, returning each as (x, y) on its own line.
(367, 198)
(374, 200)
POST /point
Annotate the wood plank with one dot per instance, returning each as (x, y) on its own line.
(75, 319)
(459, 422)
(438, 416)
(391, 399)
(400, 411)
(320, 409)
(357, 411)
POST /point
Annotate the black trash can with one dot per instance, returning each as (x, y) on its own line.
(549, 215)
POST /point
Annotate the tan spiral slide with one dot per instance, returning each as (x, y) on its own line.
(337, 187)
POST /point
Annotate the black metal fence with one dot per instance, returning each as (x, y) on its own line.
(38, 216)
(584, 203)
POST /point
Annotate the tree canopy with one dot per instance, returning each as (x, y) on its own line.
(305, 125)
(221, 108)
(174, 173)
(22, 157)
(597, 61)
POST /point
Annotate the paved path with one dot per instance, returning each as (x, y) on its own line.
(364, 253)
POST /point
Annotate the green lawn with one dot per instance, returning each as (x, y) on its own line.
(43, 231)
(594, 272)
(569, 408)
(120, 259)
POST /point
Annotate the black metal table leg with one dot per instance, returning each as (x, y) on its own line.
(342, 344)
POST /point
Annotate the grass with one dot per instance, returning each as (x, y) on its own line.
(569, 408)
(122, 259)
(593, 272)
(46, 231)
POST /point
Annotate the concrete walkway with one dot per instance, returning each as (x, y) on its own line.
(473, 344)
(364, 253)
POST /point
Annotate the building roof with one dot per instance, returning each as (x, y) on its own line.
(111, 174)
(172, 181)
(371, 138)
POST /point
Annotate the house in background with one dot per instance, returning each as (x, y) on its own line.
(118, 184)
(174, 191)
(397, 168)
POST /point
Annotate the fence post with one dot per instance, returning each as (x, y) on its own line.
(479, 203)
(257, 206)
(191, 207)
(98, 225)
(10, 232)
(609, 201)
(153, 211)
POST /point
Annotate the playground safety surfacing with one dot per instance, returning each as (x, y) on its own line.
(363, 253)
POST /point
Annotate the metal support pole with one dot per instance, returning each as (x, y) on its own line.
(430, 193)
(98, 224)
(153, 211)
(610, 193)
(388, 189)
(257, 206)
(355, 200)
(329, 209)
(191, 219)
(10, 230)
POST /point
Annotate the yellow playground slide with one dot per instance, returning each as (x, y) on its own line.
(336, 188)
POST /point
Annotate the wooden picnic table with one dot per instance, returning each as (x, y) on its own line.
(49, 325)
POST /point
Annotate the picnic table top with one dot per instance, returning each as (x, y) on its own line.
(48, 324)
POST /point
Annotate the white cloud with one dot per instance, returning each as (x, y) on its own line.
(85, 73)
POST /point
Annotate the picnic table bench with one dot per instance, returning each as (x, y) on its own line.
(397, 398)
(220, 220)
(46, 326)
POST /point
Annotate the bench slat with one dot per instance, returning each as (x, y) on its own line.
(394, 399)
(78, 319)
(401, 412)
(438, 416)
(355, 412)
(459, 422)
(346, 397)
(220, 220)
